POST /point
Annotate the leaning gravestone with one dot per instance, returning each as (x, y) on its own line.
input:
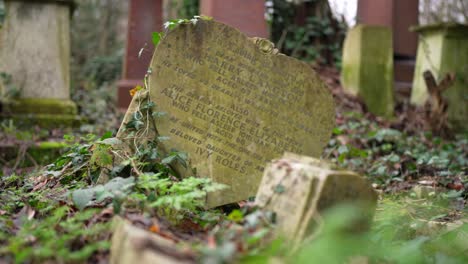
(299, 189)
(234, 103)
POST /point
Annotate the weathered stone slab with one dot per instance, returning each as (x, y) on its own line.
(368, 67)
(443, 49)
(233, 104)
(131, 244)
(35, 51)
(299, 189)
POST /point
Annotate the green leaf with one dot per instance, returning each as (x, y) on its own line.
(110, 141)
(156, 38)
(101, 156)
(158, 114)
(236, 216)
(168, 160)
(280, 188)
(106, 135)
(81, 198)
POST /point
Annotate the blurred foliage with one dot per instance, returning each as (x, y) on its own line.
(392, 158)
(2, 12)
(400, 235)
(174, 9)
(437, 11)
(98, 34)
(190, 8)
(307, 30)
(97, 41)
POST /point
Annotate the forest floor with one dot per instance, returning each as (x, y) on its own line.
(61, 213)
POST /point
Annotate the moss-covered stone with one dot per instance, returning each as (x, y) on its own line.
(443, 48)
(46, 113)
(45, 120)
(41, 153)
(368, 67)
(41, 106)
(35, 48)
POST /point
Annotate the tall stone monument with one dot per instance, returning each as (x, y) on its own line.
(35, 52)
(234, 103)
(368, 67)
(144, 18)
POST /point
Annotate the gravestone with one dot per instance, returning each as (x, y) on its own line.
(368, 67)
(234, 103)
(299, 189)
(35, 51)
(443, 49)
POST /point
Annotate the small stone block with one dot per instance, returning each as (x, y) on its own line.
(299, 189)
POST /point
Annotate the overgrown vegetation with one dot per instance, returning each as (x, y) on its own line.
(71, 204)
(2, 13)
(97, 54)
(308, 30)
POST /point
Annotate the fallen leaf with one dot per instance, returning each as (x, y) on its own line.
(211, 242)
(135, 90)
(154, 228)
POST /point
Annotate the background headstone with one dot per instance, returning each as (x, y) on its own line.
(399, 16)
(35, 51)
(144, 18)
(246, 15)
(443, 49)
(299, 189)
(233, 104)
(368, 67)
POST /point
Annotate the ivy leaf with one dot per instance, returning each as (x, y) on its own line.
(236, 216)
(106, 135)
(279, 189)
(110, 141)
(180, 157)
(163, 138)
(81, 198)
(159, 114)
(156, 38)
(101, 156)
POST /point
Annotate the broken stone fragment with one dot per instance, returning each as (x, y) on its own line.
(300, 189)
(131, 244)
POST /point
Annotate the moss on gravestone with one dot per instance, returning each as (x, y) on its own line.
(368, 67)
(443, 49)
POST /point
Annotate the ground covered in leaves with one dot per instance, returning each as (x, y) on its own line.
(63, 212)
